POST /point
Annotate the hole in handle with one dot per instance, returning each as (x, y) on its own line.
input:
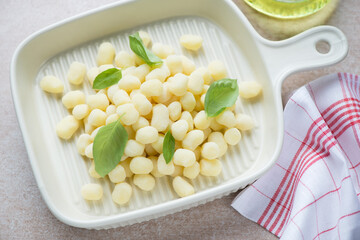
(323, 46)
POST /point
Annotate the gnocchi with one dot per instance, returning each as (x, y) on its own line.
(149, 102)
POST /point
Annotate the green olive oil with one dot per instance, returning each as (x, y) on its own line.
(287, 8)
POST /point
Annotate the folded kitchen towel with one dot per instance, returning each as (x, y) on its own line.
(312, 191)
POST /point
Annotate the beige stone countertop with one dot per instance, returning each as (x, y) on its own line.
(24, 214)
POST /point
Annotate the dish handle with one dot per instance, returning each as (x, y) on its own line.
(303, 52)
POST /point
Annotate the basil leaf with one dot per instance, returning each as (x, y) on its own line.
(220, 95)
(137, 46)
(107, 78)
(168, 147)
(109, 146)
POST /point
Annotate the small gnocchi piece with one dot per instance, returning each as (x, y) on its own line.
(92, 191)
(158, 73)
(111, 91)
(174, 110)
(147, 135)
(121, 193)
(226, 118)
(187, 117)
(120, 97)
(140, 72)
(249, 89)
(244, 122)
(124, 60)
(111, 118)
(89, 151)
(196, 83)
(155, 172)
(152, 87)
(193, 139)
(141, 165)
(145, 182)
(133, 148)
(210, 150)
(51, 84)
(140, 123)
(99, 101)
(192, 171)
(161, 50)
(184, 157)
(83, 141)
(191, 41)
(111, 109)
(217, 70)
(218, 138)
(188, 102)
(76, 73)
(97, 118)
(188, 65)
(232, 136)
(165, 94)
(179, 129)
(174, 63)
(118, 174)
(129, 83)
(158, 145)
(67, 127)
(178, 84)
(201, 121)
(182, 187)
(142, 104)
(106, 54)
(81, 111)
(208, 80)
(73, 98)
(163, 167)
(160, 118)
(210, 168)
(128, 113)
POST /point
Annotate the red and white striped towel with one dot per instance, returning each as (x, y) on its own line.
(312, 192)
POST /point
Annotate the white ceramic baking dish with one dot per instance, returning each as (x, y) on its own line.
(60, 171)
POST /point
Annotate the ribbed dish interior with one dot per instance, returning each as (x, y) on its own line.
(74, 168)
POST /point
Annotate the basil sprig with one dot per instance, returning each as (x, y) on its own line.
(107, 78)
(168, 147)
(220, 95)
(137, 46)
(109, 146)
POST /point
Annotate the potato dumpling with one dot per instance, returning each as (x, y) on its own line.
(51, 84)
(249, 89)
(191, 42)
(150, 101)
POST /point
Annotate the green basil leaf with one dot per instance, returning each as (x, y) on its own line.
(137, 46)
(220, 95)
(109, 146)
(168, 147)
(107, 78)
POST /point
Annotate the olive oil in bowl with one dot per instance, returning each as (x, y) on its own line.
(287, 8)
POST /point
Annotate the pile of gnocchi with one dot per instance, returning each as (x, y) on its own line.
(149, 102)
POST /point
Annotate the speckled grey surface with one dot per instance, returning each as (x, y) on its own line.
(23, 213)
